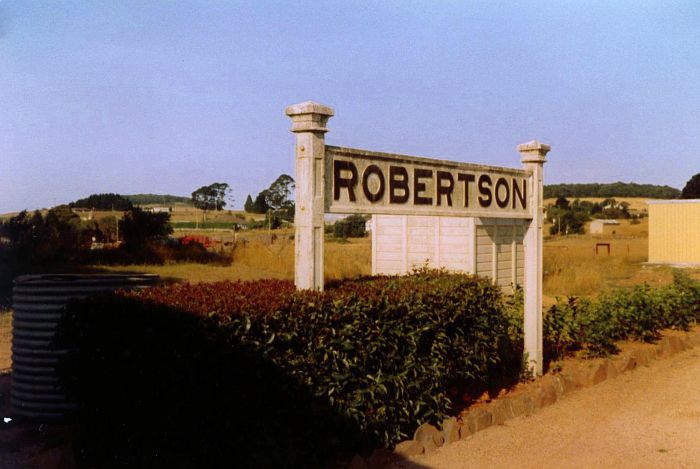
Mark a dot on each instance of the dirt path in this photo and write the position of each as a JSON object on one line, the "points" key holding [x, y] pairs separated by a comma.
{"points": [[649, 417]]}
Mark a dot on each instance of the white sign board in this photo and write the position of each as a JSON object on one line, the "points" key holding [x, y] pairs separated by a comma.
{"points": [[360, 181]]}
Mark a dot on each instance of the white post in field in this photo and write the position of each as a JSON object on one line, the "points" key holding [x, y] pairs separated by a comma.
{"points": [[533, 156], [309, 126]]}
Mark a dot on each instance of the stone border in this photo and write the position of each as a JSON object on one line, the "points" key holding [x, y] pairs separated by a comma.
{"points": [[526, 398]]}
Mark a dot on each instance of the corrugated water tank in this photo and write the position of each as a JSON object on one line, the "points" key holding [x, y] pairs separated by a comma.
{"points": [[38, 301]]}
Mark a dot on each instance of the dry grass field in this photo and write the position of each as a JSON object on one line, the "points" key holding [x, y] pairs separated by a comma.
{"points": [[571, 266], [258, 255]]}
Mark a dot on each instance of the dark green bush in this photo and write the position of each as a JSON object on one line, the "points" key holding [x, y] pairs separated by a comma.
{"points": [[637, 313], [352, 226], [271, 376]]}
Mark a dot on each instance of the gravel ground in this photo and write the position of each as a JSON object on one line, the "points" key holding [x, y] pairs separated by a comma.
{"points": [[649, 417]]}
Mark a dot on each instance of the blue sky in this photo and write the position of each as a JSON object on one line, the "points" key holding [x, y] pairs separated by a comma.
{"points": [[164, 97]]}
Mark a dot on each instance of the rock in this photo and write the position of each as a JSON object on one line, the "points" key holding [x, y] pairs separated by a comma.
{"points": [[580, 376], [466, 429], [568, 382], [450, 429], [357, 463], [556, 382], [501, 411], [517, 405], [429, 436], [382, 458], [409, 448], [598, 373], [528, 402], [626, 363], [482, 419], [546, 395]]}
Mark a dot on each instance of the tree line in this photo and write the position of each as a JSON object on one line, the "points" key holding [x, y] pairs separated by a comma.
{"points": [[615, 189], [108, 201]]}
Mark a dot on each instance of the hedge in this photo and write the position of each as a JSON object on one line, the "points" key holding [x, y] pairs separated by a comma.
{"points": [[636, 313], [273, 377], [256, 374]]}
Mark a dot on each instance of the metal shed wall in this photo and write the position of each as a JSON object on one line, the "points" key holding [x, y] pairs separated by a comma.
{"points": [[674, 232]]}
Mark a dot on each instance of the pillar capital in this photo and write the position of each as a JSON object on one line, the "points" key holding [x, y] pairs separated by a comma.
{"points": [[309, 116], [533, 152]]}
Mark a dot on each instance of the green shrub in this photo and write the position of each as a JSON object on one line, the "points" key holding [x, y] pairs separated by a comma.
{"points": [[352, 226], [637, 313], [279, 373], [189, 375]]}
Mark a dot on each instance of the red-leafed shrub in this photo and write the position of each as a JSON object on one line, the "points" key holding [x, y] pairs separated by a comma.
{"points": [[256, 298], [273, 377], [203, 240]]}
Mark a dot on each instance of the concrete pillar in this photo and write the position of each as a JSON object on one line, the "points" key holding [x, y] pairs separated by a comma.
{"points": [[533, 156], [309, 126]]}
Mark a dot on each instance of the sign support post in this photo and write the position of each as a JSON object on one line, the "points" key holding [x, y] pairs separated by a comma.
{"points": [[533, 156], [309, 126]]}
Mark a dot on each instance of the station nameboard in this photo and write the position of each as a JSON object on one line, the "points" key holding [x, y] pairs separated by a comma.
{"points": [[345, 180], [360, 181]]}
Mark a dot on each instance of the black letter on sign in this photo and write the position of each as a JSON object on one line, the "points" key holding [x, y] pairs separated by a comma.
{"points": [[445, 190], [466, 179], [395, 183], [501, 182], [339, 182], [373, 169], [522, 196], [418, 186], [485, 190]]}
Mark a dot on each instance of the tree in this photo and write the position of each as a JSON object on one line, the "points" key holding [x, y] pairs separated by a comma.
{"points": [[260, 204], [54, 238], [108, 201], [248, 206], [211, 197], [352, 226], [138, 227], [569, 222], [279, 192], [692, 188], [277, 196], [562, 203]]}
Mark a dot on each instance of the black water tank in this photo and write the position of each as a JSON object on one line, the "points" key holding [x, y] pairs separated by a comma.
{"points": [[37, 301]]}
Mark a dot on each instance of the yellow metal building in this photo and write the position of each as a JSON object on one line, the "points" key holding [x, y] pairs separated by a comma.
{"points": [[674, 231]]}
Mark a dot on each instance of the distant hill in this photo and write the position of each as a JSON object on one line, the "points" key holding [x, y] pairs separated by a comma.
{"points": [[615, 189], [158, 199]]}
